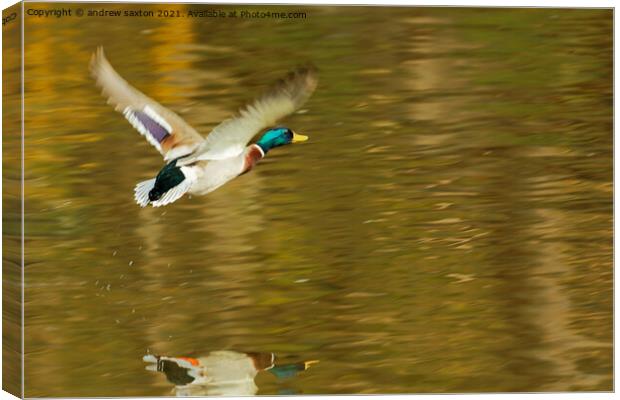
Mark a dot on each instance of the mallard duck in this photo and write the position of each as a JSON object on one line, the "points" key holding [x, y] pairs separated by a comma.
{"points": [[223, 372], [196, 164]]}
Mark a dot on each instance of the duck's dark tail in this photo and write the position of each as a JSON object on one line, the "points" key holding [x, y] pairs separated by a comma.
{"points": [[180, 371], [171, 183]]}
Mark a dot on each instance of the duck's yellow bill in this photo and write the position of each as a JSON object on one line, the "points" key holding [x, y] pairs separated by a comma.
{"points": [[307, 364], [299, 138]]}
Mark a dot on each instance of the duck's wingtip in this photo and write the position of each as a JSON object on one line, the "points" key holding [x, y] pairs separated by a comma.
{"points": [[309, 68], [97, 60], [99, 53]]}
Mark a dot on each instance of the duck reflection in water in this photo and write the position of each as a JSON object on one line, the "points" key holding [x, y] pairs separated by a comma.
{"points": [[227, 373]]}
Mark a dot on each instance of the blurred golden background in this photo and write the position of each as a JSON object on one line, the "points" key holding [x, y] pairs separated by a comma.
{"points": [[447, 228]]}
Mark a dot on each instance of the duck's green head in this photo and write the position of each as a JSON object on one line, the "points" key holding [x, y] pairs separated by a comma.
{"points": [[275, 137]]}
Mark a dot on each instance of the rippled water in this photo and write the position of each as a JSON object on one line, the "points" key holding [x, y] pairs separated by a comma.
{"points": [[447, 228]]}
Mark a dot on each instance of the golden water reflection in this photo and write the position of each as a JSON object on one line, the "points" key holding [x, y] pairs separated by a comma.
{"points": [[448, 227], [224, 372]]}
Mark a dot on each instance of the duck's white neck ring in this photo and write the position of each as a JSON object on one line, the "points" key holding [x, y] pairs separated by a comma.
{"points": [[262, 152]]}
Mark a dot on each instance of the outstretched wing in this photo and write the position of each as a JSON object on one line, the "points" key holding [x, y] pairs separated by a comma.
{"points": [[229, 138], [164, 129]]}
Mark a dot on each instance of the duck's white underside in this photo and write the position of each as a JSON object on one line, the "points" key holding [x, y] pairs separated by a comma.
{"points": [[220, 373], [200, 178]]}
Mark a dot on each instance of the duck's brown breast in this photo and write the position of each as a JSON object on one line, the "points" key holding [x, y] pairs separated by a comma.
{"points": [[252, 155]]}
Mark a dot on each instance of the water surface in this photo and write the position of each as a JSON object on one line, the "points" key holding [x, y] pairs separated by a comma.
{"points": [[447, 228]]}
